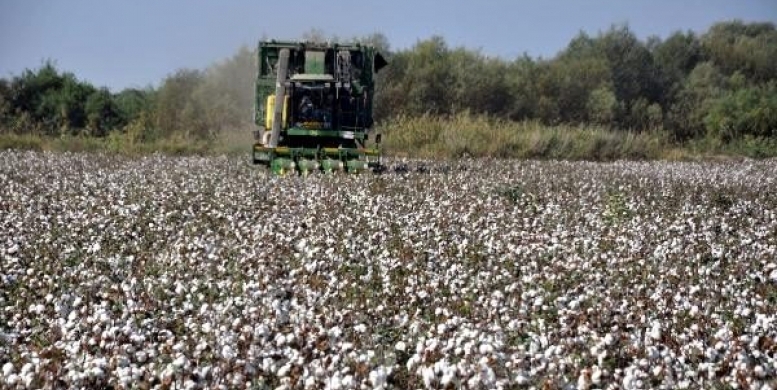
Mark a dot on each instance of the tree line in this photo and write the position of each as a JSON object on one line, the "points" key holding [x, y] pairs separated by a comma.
{"points": [[721, 83], [188, 104]]}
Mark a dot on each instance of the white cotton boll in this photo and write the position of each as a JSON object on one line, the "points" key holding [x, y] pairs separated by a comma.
{"points": [[584, 380], [596, 375], [268, 364], [333, 383], [400, 346], [601, 356], [168, 373], [655, 331], [310, 382], [378, 377], [27, 368], [27, 379], [487, 374], [37, 309], [628, 380], [280, 340], [301, 245], [97, 372], [428, 377], [8, 369], [441, 328], [534, 348], [412, 362], [285, 370], [180, 362], [227, 352], [122, 361], [360, 328], [347, 382], [474, 382], [486, 349], [12, 379], [773, 276], [335, 332]]}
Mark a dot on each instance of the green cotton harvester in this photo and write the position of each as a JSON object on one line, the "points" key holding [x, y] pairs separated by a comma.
{"points": [[313, 107]]}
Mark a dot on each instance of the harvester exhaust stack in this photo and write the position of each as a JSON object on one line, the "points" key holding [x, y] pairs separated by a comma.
{"points": [[280, 96]]}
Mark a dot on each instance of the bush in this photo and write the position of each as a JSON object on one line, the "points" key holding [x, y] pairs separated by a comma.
{"points": [[744, 112], [20, 142], [482, 136]]}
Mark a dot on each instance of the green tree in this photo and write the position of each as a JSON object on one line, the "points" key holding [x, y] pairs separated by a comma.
{"points": [[704, 84], [479, 83], [175, 111], [429, 77], [101, 113], [602, 105], [133, 102], [748, 48], [521, 81], [634, 74], [749, 111], [675, 58], [6, 113]]}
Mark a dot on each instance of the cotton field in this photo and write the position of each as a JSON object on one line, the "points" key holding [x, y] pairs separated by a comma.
{"points": [[190, 272]]}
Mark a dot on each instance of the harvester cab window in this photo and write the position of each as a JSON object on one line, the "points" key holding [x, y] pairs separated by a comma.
{"points": [[314, 107], [306, 108]]}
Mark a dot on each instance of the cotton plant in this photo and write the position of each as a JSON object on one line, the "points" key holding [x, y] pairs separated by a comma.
{"points": [[202, 272]]}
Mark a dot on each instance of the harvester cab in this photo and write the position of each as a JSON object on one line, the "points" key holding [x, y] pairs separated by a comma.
{"points": [[313, 107]]}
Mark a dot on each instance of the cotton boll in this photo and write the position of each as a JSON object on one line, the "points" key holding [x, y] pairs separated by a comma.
{"points": [[486, 348], [584, 380], [333, 383], [428, 377], [655, 331], [596, 375], [180, 362], [284, 370], [8, 369], [378, 377], [12, 379], [227, 352]]}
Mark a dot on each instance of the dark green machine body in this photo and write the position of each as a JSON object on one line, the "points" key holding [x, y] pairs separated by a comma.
{"points": [[313, 107]]}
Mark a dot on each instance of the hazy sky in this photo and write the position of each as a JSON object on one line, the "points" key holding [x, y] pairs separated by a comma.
{"points": [[122, 44]]}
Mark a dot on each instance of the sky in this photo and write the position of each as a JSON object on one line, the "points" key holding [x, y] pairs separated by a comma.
{"points": [[134, 44]]}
